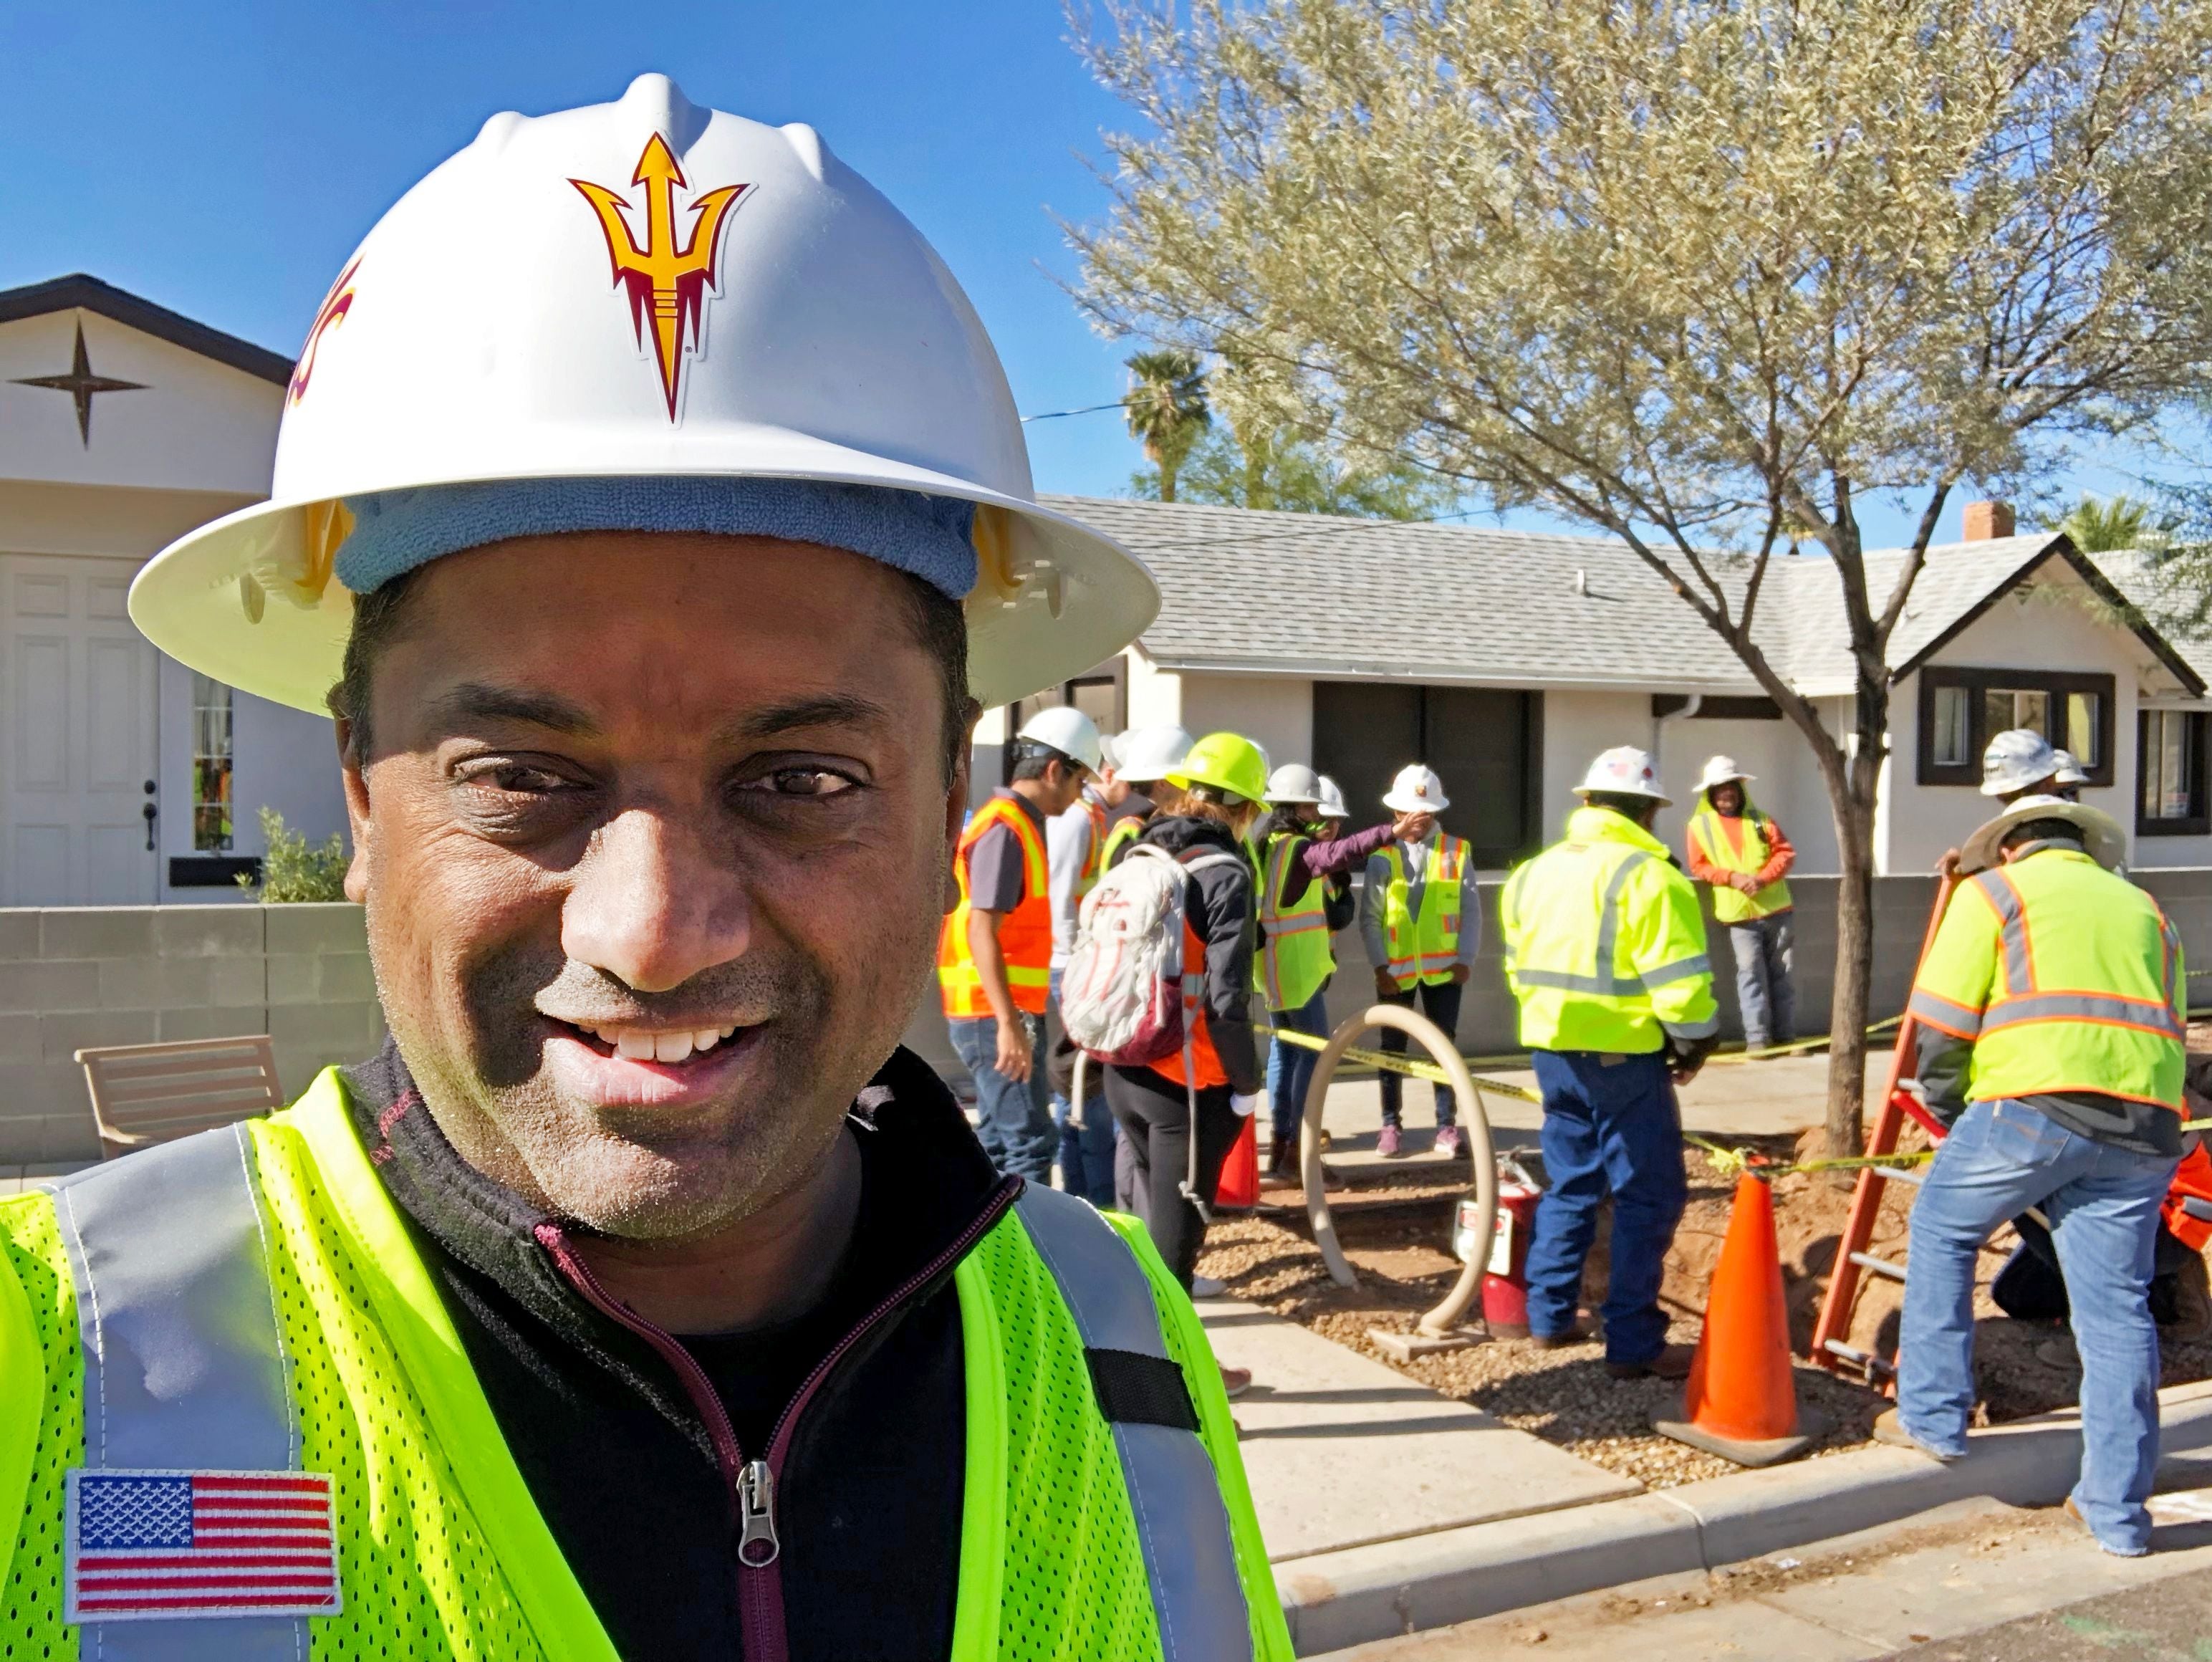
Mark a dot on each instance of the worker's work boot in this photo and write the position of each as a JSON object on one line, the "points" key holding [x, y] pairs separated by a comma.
{"points": [[1889, 1429], [1387, 1144], [1585, 1328], [1283, 1160], [1673, 1362], [1449, 1143]]}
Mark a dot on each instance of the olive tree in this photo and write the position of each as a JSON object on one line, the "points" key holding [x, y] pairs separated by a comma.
{"points": [[1708, 277]]}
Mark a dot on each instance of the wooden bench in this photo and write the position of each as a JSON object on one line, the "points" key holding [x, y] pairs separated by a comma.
{"points": [[149, 1094]]}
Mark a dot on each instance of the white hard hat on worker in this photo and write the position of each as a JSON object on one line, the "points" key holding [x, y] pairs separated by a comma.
{"points": [[1416, 790], [1067, 730], [1624, 771], [1293, 784], [1150, 754], [2017, 759], [514, 317]]}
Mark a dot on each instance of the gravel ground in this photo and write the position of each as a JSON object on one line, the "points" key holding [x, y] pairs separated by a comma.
{"points": [[1396, 1233]]}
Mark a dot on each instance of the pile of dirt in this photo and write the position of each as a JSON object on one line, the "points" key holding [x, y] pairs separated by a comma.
{"points": [[1396, 1233]]}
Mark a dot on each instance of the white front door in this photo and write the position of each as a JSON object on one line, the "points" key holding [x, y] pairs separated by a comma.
{"points": [[76, 757]]}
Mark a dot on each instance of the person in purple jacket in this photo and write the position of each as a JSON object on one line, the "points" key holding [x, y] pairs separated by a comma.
{"points": [[1296, 921]]}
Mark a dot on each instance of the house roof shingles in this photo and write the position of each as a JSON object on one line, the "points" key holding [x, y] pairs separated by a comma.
{"points": [[1322, 595]]}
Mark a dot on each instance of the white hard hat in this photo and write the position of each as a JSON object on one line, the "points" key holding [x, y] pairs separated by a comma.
{"points": [[1416, 790], [1109, 750], [1294, 782], [1624, 771], [510, 319], [2101, 836], [1150, 754], [1333, 806], [2017, 759], [2070, 771], [1067, 730], [1722, 771]]}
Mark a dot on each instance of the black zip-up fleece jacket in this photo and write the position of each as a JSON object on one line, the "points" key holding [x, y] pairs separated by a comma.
{"points": [[868, 1492]]}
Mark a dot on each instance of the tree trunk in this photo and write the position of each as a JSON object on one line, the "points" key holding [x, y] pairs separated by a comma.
{"points": [[1854, 974]]}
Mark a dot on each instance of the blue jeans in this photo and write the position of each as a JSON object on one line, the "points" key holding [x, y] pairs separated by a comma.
{"points": [[1610, 1126], [1290, 1066], [2002, 1158], [1017, 1130], [1086, 1151], [1762, 947]]}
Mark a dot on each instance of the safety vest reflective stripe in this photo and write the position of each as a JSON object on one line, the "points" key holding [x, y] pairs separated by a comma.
{"points": [[1609, 980], [2150, 1018], [1959, 1020], [1997, 888], [1194, 1579], [1094, 857], [1025, 933]]}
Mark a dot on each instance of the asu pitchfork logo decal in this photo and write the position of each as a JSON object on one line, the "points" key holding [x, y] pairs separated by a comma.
{"points": [[666, 281]]}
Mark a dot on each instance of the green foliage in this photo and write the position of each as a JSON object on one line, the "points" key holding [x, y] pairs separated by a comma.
{"points": [[1167, 411], [1280, 470], [2110, 525], [295, 869]]}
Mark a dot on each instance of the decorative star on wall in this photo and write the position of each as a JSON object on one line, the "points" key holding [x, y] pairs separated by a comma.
{"points": [[82, 385]]}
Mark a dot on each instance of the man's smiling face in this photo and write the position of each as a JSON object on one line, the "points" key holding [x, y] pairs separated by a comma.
{"points": [[653, 836]]}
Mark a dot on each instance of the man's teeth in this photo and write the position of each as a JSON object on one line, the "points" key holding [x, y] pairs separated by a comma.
{"points": [[639, 1045]]}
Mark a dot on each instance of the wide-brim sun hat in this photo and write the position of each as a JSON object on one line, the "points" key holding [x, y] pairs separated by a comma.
{"points": [[494, 331], [2102, 836]]}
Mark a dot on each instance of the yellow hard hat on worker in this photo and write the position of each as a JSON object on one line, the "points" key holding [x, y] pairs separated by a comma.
{"points": [[1228, 762]]}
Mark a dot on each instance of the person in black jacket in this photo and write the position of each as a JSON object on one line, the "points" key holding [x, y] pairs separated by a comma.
{"points": [[1155, 1104]]}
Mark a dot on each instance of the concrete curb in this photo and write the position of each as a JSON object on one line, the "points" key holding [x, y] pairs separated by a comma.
{"points": [[1335, 1599]]}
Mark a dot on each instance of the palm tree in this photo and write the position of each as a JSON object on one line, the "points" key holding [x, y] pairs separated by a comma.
{"points": [[2108, 526], [1167, 410]]}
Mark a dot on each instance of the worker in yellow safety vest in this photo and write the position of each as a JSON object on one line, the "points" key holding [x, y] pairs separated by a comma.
{"points": [[1420, 918], [1605, 951], [643, 1297], [2051, 1009], [1295, 957], [1746, 855]]}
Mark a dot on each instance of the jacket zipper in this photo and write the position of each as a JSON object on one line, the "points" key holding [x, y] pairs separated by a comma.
{"points": [[751, 1484]]}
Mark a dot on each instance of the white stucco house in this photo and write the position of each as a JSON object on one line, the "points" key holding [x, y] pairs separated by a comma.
{"points": [[1506, 660], [1503, 660], [125, 778]]}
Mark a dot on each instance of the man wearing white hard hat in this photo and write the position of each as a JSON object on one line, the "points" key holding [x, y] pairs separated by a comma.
{"points": [[1605, 951], [1148, 755], [1421, 917], [2068, 777], [1300, 867], [2052, 1006], [994, 964], [650, 508], [1745, 856], [2019, 762]]}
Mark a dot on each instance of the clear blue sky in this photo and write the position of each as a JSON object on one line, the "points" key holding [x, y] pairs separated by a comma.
{"points": [[223, 159]]}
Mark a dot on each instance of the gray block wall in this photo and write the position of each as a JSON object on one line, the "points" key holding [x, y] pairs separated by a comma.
{"points": [[79, 975]]}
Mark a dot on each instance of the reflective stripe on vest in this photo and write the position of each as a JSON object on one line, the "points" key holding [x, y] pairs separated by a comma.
{"points": [[1094, 856], [185, 1368], [2023, 1001], [1295, 958], [1025, 933], [1190, 1565], [1608, 982]]}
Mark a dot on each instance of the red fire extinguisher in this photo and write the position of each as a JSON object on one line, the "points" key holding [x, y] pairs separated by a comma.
{"points": [[1505, 1283]]}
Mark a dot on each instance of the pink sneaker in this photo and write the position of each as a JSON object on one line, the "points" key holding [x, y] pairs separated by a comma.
{"points": [[1387, 1144], [1448, 1142]]}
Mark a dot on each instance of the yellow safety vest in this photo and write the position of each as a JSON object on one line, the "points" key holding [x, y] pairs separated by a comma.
{"points": [[2064, 976], [1710, 838], [260, 1309], [1605, 948], [1295, 955], [1423, 949], [1124, 831]]}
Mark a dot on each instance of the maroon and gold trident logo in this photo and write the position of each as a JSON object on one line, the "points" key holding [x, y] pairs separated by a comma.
{"points": [[667, 282]]}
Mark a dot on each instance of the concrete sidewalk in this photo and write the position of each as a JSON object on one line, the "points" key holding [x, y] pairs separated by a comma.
{"points": [[1343, 1452]]}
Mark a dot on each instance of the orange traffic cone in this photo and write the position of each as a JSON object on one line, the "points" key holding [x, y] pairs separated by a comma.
{"points": [[1742, 1399]]}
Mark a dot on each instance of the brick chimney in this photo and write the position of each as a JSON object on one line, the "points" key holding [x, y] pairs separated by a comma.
{"points": [[1987, 521]]}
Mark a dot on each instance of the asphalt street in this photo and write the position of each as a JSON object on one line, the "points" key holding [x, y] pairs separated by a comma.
{"points": [[2168, 1620]]}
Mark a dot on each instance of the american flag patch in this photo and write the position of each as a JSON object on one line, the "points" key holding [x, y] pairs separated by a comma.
{"points": [[149, 1545]]}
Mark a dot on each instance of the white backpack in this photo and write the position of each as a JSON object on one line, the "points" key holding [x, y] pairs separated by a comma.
{"points": [[1122, 992]]}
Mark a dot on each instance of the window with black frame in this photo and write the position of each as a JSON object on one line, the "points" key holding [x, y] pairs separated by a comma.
{"points": [[1485, 743], [2170, 773], [1962, 708]]}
